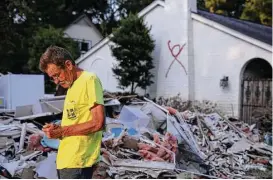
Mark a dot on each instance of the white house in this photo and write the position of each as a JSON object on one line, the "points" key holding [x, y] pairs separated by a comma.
{"points": [[84, 32], [216, 58]]}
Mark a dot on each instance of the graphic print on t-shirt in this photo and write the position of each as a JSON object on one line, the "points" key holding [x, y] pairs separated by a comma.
{"points": [[71, 111]]}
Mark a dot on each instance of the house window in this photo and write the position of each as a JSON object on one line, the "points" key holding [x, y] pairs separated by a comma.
{"points": [[84, 46]]}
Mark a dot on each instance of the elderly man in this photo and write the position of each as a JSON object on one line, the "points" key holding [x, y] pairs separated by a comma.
{"points": [[80, 132]]}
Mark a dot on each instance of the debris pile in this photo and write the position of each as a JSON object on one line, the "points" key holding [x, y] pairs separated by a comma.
{"points": [[263, 118], [230, 148], [143, 139], [22, 154], [225, 147], [176, 102], [132, 157]]}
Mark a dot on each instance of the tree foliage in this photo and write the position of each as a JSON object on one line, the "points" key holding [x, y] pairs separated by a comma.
{"points": [[8, 37], [109, 17], [42, 39], [20, 20], [45, 37], [258, 11], [230, 8], [132, 49]]}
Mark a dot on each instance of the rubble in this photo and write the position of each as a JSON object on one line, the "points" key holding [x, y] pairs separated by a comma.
{"points": [[127, 156], [171, 138], [229, 148], [21, 143]]}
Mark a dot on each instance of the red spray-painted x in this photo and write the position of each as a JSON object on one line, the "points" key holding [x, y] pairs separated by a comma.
{"points": [[175, 56]]}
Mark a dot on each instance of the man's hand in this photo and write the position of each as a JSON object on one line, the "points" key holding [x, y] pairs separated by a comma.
{"points": [[53, 131]]}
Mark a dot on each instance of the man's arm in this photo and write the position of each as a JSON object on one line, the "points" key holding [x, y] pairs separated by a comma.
{"points": [[95, 124], [95, 100], [91, 126]]}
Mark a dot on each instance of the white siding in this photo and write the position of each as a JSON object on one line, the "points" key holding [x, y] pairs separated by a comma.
{"points": [[218, 54], [174, 26], [82, 30], [153, 20], [101, 63]]}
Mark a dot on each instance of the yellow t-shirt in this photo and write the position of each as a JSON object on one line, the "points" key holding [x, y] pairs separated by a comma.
{"points": [[80, 151]]}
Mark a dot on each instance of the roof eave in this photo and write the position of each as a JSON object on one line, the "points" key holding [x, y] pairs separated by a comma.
{"points": [[232, 32]]}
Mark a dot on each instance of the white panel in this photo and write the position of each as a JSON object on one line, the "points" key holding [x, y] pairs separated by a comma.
{"points": [[83, 32], [26, 89], [4, 90]]}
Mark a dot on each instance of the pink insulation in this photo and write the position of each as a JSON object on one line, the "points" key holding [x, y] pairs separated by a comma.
{"points": [[158, 153]]}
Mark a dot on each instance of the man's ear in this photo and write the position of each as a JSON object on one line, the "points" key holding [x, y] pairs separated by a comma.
{"points": [[68, 65]]}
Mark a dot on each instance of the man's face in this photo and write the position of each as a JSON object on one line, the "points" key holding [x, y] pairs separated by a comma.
{"points": [[61, 76]]}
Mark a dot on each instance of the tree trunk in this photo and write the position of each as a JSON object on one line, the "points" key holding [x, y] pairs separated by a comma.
{"points": [[132, 87]]}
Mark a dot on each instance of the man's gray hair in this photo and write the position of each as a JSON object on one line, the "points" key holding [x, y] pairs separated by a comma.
{"points": [[54, 55]]}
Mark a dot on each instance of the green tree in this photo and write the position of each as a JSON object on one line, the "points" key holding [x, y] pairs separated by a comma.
{"points": [[132, 49], [109, 17], [58, 13], [43, 38], [231, 8], [104, 13], [201, 4], [259, 11], [9, 38]]}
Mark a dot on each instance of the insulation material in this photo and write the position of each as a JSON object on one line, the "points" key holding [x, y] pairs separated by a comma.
{"points": [[164, 153]]}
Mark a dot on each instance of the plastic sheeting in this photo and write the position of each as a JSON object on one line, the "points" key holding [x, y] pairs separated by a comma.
{"points": [[52, 143], [133, 117]]}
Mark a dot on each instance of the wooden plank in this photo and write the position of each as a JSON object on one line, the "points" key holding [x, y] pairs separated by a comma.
{"points": [[256, 93], [252, 95], [263, 93], [270, 93], [245, 92]]}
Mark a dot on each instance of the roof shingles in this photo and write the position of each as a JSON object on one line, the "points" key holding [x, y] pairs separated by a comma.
{"points": [[256, 31]]}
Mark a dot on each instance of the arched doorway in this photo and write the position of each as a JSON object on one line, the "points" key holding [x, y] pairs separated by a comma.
{"points": [[256, 90]]}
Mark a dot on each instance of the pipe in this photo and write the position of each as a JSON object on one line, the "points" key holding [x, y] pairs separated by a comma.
{"points": [[22, 138]]}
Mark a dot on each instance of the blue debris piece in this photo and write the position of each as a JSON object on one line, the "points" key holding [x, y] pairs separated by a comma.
{"points": [[51, 143]]}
